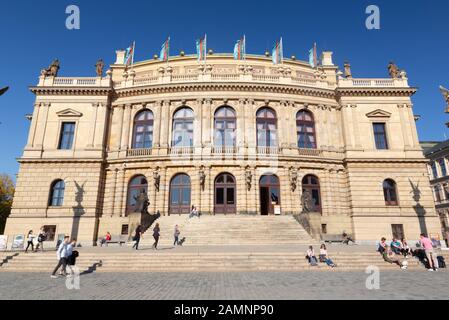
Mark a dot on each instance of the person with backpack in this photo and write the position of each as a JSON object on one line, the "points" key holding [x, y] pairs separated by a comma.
{"points": [[137, 237], [72, 254], [310, 256], [41, 238], [62, 255]]}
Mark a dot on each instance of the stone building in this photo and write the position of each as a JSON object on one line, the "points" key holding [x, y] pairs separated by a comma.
{"points": [[438, 166], [230, 137]]}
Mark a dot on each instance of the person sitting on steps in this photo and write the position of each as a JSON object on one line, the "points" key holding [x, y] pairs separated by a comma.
{"points": [[347, 238], [324, 257], [310, 256]]}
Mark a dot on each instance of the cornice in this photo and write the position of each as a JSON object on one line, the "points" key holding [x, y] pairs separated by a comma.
{"points": [[375, 92], [71, 91], [241, 87]]}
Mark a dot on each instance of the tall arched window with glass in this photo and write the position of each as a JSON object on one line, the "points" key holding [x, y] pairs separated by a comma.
{"points": [[267, 128], [57, 194], [183, 128], [143, 130], [305, 126], [225, 127]]}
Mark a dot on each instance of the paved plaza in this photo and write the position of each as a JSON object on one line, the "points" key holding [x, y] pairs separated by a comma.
{"points": [[227, 286]]}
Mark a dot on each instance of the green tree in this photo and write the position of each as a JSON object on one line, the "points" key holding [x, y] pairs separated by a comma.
{"points": [[6, 197]]}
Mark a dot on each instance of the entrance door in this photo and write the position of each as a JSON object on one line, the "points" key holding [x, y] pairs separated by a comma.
{"points": [[180, 194], [225, 194], [398, 231], [270, 195]]}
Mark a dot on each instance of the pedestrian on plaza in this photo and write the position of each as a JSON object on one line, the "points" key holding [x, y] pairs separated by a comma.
{"points": [[30, 240], [176, 235], [62, 255], [310, 256], [72, 254], [156, 235], [324, 257], [42, 236], [137, 237], [426, 244]]}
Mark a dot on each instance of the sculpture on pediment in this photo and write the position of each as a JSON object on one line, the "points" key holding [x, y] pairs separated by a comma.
{"points": [[99, 68], [393, 70], [52, 70], [348, 72]]}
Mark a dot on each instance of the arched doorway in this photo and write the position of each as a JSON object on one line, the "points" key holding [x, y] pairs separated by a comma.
{"points": [[180, 194], [270, 194], [311, 184], [225, 194], [136, 186]]}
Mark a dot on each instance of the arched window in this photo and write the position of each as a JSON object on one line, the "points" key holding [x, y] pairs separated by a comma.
{"points": [[183, 128], [390, 195], [311, 184], [57, 194], [270, 194], [143, 130], [267, 128], [180, 194], [225, 194], [305, 127], [225, 127], [137, 185]]}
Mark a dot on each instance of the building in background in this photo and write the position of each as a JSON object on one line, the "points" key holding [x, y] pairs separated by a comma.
{"points": [[230, 137]]}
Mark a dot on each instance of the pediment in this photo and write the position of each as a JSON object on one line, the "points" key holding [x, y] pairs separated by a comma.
{"points": [[69, 113], [379, 114]]}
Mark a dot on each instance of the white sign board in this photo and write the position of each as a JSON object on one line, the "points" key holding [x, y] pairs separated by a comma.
{"points": [[277, 210]]}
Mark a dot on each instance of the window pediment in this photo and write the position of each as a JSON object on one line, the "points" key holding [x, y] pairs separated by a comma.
{"points": [[379, 114], [69, 113]]}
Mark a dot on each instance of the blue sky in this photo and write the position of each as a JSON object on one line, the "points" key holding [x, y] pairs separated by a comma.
{"points": [[413, 34]]}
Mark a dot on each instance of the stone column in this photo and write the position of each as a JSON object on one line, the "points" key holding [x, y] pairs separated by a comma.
{"points": [[117, 127], [34, 121], [117, 192], [157, 124], [165, 124], [404, 128], [347, 126], [100, 132], [356, 129], [412, 123], [250, 127], [241, 124], [197, 125], [42, 125], [124, 145], [93, 126]]}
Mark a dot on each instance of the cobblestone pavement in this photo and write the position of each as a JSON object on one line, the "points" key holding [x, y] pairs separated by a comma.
{"points": [[227, 286]]}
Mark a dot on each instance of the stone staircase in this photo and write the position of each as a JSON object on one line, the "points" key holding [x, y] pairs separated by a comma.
{"points": [[174, 260], [232, 230]]}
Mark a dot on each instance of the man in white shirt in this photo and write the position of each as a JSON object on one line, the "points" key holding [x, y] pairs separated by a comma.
{"points": [[62, 254]]}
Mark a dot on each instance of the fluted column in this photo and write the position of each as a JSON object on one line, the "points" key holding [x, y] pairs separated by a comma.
{"points": [[93, 126], [124, 145], [33, 126], [165, 124], [157, 124], [42, 125], [100, 133]]}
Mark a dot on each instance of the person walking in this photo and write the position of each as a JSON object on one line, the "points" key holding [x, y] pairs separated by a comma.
{"points": [[30, 240], [42, 236], [137, 237], [62, 255], [176, 235], [156, 235], [426, 244], [71, 255]]}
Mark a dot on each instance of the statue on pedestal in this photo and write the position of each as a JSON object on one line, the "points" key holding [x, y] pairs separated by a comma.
{"points": [[157, 180], [293, 178], [307, 202], [348, 72], [142, 202], [202, 178], [393, 70], [52, 70], [99, 67], [445, 93], [248, 178]]}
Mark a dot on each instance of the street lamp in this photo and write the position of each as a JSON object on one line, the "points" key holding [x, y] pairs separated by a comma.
{"points": [[2, 91]]}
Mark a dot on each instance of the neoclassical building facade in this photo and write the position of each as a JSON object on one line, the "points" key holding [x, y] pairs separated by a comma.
{"points": [[231, 138]]}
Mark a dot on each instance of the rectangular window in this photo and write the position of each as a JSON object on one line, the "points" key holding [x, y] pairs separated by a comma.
{"points": [[50, 231], [433, 165], [125, 229], [380, 136], [67, 136], [442, 164]]}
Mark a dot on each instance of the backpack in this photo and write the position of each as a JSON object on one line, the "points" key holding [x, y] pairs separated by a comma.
{"points": [[42, 237], [441, 262]]}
